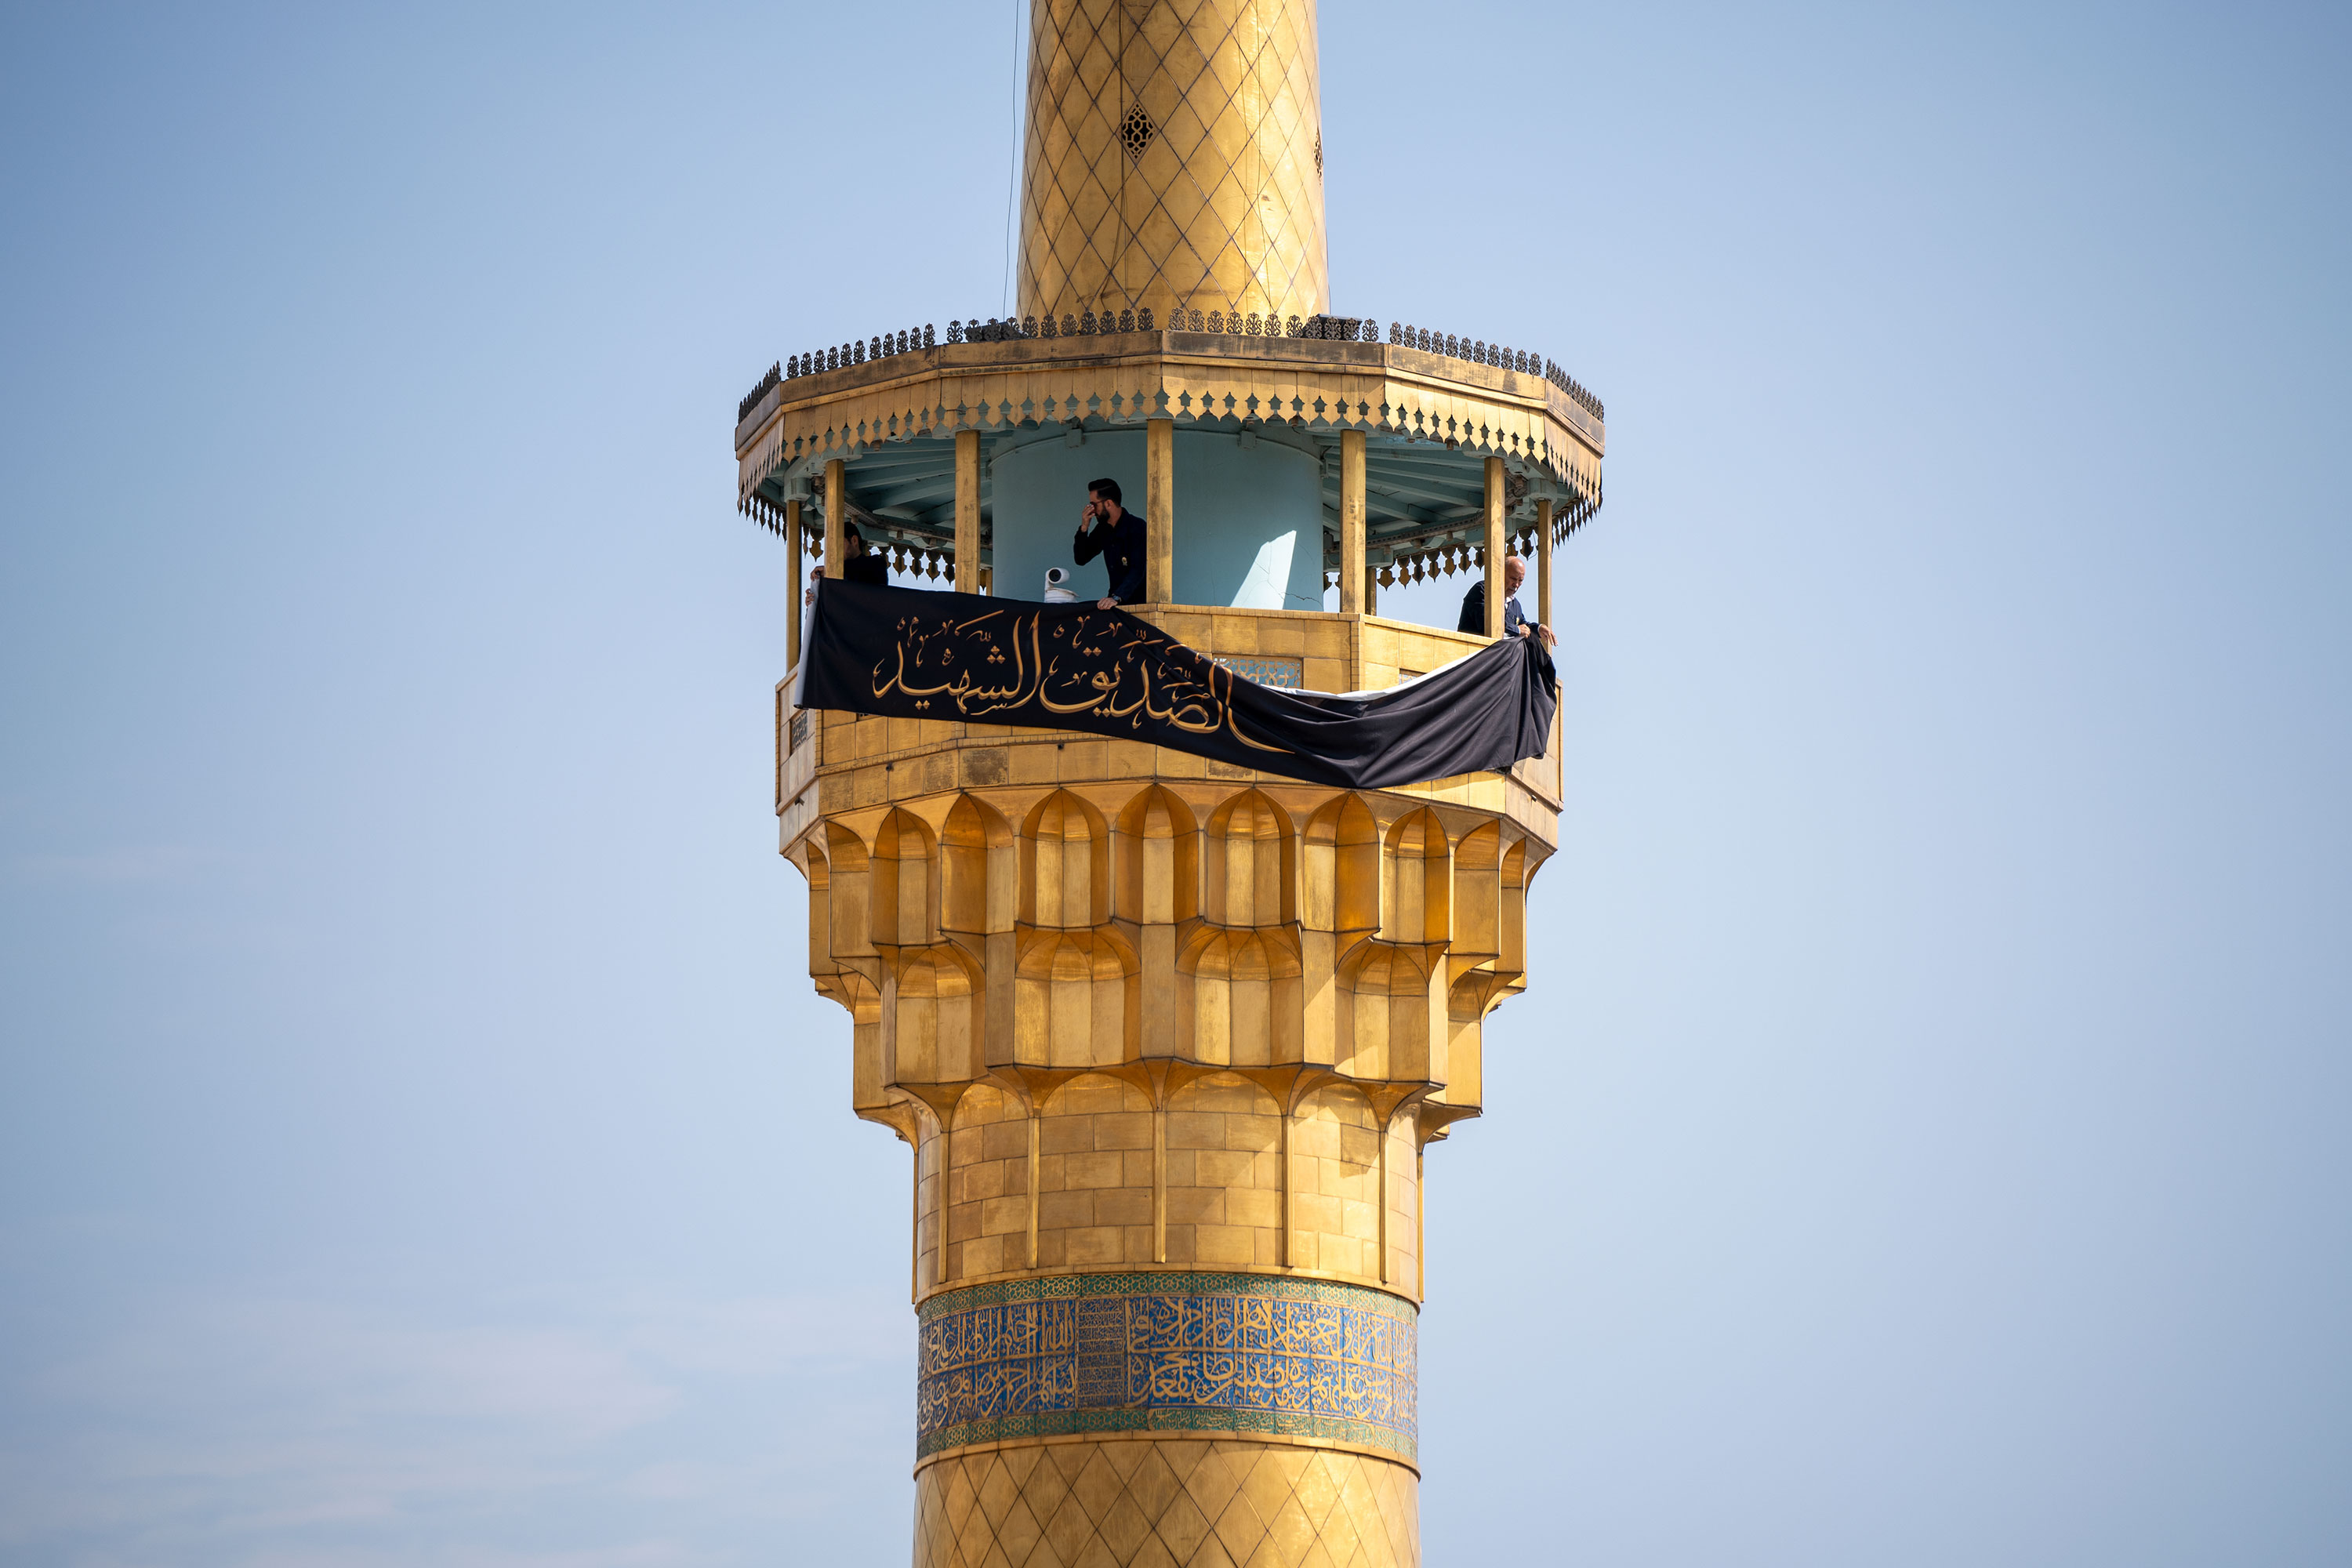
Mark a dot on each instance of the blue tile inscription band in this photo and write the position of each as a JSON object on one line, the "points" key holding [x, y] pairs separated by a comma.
{"points": [[1202, 1352]]}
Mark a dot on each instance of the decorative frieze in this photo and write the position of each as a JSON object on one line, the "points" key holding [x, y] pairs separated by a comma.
{"points": [[1241, 1353]]}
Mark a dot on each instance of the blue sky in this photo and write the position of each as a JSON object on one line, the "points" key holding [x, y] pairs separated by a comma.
{"points": [[1924, 1140]]}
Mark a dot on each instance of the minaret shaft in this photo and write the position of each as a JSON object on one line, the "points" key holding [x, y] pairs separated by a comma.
{"points": [[1174, 158], [1168, 1047]]}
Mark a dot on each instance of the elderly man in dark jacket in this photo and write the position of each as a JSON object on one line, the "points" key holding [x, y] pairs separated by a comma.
{"points": [[1514, 621], [1110, 530]]}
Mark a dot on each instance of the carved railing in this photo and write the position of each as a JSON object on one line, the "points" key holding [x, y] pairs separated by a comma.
{"points": [[751, 398], [1184, 319]]}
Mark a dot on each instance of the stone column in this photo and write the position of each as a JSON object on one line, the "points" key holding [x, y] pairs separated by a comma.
{"points": [[793, 555], [836, 514], [966, 511], [1351, 522], [1159, 510], [1494, 547], [1543, 562]]}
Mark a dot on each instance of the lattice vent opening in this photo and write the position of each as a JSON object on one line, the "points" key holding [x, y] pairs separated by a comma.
{"points": [[1135, 132]]}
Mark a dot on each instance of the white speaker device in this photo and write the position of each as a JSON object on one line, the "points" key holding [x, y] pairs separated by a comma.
{"points": [[1055, 594]]}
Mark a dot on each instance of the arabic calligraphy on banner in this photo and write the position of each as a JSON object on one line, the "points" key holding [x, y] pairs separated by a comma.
{"points": [[1168, 1352], [906, 653], [1056, 666]]}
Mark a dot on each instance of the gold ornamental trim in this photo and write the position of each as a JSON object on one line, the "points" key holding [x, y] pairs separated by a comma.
{"points": [[1191, 378]]}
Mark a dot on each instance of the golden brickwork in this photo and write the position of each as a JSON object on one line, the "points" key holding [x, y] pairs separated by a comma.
{"points": [[1137, 1010], [1174, 156], [1145, 1015], [1203, 1188], [1166, 1504]]}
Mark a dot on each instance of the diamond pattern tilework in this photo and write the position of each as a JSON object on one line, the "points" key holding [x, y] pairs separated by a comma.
{"points": [[1221, 207], [1141, 1503]]}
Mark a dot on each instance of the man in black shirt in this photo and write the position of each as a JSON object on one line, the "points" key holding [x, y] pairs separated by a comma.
{"points": [[1514, 621], [1110, 530], [859, 564]]}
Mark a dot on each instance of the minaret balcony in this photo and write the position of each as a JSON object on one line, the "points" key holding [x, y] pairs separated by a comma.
{"points": [[1428, 417]]}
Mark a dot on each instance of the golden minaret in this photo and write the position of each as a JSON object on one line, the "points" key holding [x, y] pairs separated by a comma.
{"points": [[1168, 1038]]}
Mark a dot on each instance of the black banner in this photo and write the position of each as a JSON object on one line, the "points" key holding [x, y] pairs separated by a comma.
{"points": [[910, 653]]}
